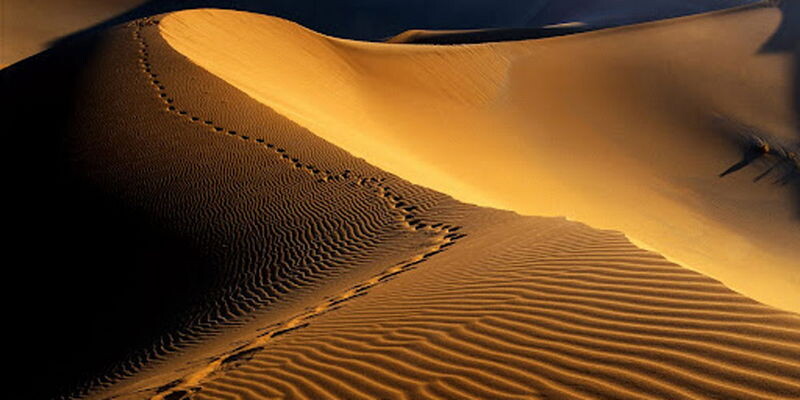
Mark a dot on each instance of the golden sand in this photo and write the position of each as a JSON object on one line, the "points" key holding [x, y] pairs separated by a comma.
{"points": [[624, 129], [210, 229]]}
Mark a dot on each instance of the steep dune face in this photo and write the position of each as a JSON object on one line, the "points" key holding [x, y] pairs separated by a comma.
{"points": [[376, 288], [208, 247], [627, 128], [161, 229]]}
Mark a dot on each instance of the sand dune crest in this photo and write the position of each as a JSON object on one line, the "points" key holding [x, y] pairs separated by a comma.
{"points": [[208, 231], [654, 112], [520, 307]]}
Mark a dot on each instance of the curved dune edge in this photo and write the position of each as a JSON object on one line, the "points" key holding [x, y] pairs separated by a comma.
{"points": [[630, 135], [504, 307], [466, 36]]}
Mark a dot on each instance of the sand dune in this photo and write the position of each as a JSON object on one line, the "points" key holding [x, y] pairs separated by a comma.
{"points": [[260, 228], [189, 229], [641, 118], [481, 304], [422, 36], [30, 26], [570, 313]]}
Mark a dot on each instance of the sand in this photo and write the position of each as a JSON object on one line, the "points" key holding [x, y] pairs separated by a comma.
{"points": [[30, 26], [640, 118], [184, 238]]}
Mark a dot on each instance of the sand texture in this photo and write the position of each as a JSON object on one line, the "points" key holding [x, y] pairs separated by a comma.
{"points": [[30, 26], [214, 204], [588, 126]]}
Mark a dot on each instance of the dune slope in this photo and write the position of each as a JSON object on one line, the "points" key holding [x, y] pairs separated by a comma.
{"points": [[530, 308], [500, 306], [146, 230], [182, 240], [328, 278], [626, 128]]}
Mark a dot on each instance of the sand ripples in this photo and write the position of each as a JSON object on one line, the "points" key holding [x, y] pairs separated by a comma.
{"points": [[519, 308], [544, 320]]}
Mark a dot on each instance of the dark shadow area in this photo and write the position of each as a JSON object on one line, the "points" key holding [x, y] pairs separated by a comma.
{"points": [[775, 160], [486, 35], [781, 161], [787, 40], [92, 279], [95, 279], [752, 152], [375, 20]]}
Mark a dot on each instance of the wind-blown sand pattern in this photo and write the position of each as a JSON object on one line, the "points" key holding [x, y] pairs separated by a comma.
{"points": [[651, 122], [243, 256]]}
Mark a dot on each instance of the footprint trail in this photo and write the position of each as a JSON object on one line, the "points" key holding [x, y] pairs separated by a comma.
{"points": [[443, 235]]}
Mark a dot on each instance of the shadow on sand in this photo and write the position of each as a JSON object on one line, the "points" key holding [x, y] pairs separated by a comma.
{"points": [[782, 160], [94, 280]]}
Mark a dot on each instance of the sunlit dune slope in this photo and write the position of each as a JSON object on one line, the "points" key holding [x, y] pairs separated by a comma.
{"points": [[30, 26], [184, 241], [626, 128]]}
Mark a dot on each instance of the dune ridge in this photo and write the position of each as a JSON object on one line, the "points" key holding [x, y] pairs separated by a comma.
{"points": [[238, 228], [653, 125], [321, 231], [218, 249], [30, 25], [443, 235], [522, 307]]}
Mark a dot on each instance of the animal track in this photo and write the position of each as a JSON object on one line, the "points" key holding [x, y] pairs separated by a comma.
{"points": [[443, 235]]}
